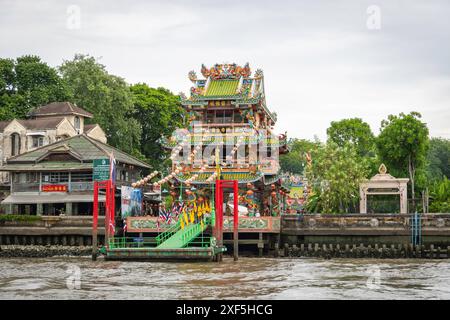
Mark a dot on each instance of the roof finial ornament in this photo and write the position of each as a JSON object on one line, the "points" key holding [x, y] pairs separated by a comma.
{"points": [[192, 76], [382, 169]]}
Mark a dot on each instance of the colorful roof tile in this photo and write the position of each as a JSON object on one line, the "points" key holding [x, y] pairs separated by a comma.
{"points": [[222, 88]]}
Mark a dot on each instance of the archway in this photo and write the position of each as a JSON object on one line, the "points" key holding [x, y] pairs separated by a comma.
{"points": [[383, 184]]}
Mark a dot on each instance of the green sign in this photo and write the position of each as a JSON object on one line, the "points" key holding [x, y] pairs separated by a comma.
{"points": [[101, 170]]}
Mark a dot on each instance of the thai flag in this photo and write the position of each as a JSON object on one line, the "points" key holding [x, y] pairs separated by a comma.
{"points": [[124, 226], [112, 167]]}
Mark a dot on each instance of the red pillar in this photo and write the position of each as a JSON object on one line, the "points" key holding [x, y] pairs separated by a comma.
{"points": [[235, 221], [95, 222]]}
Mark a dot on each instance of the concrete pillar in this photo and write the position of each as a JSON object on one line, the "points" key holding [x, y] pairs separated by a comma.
{"points": [[403, 199], [69, 208], [363, 200], [39, 209]]}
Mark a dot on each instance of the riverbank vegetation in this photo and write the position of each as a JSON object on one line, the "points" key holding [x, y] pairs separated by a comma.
{"points": [[353, 153]]}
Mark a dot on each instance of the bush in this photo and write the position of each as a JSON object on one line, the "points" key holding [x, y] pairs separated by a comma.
{"points": [[19, 217], [440, 196]]}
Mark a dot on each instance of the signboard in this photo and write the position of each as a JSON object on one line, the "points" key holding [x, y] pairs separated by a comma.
{"points": [[100, 170], [131, 201], [54, 188]]}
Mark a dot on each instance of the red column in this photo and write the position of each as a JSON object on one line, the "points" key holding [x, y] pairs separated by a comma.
{"points": [[113, 206], [235, 221], [95, 222]]}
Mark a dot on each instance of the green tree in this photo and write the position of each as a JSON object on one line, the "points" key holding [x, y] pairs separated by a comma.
{"points": [[28, 82], [107, 97], [295, 160], [335, 175], [440, 196], [159, 113], [402, 145], [438, 159], [352, 131]]}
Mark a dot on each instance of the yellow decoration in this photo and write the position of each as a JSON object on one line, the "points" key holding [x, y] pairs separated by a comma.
{"points": [[185, 216], [192, 216], [200, 210], [181, 224]]}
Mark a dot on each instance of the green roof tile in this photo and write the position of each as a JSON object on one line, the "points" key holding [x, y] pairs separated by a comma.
{"points": [[222, 88], [88, 148]]}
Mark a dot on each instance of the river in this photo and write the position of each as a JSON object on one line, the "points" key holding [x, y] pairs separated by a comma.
{"points": [[249, 278]]}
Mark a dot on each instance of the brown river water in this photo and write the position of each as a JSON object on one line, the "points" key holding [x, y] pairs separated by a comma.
{"points": [[249, 278]]}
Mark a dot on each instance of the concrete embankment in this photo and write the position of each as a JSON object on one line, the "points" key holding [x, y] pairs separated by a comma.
{"points": [[36, 251], [361, 251]]}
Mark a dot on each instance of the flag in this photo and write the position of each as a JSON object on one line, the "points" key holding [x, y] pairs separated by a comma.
{"points": [[112, 167], [112, 227], [165, 215], [124, 226]]}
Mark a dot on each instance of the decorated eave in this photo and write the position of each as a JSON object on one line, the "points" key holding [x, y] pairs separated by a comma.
{"points": [[242, 177], [227, 82], [231, 140]]}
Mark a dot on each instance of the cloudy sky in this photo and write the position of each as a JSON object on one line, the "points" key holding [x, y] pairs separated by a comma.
{"points": [[322, 60]]}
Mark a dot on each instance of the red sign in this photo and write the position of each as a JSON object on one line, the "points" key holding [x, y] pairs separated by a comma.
{"points": [[54, 188]]}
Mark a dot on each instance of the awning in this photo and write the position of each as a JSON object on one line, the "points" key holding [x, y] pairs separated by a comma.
{"points": [[50, 198]]}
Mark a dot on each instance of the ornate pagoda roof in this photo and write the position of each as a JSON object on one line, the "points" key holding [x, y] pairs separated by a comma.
{"points": [[227, 81]]}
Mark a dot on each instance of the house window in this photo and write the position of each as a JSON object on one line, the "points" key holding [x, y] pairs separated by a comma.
{"points": [[38, 141], [15, 144], [81, 176], [77, 123], [55, 177], [124, 175], [32, 177]]}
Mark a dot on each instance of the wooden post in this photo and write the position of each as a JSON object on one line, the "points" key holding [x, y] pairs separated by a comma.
{"points": [[235, 221], [260, 245], [95, 222]]}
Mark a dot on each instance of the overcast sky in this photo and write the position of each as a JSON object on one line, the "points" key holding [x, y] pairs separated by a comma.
{"points": [[322, 60]]}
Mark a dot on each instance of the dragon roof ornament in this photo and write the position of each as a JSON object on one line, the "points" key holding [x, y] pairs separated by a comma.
{"points": [[225, 71]]}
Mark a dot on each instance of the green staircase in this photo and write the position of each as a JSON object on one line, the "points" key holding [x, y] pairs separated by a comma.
{"points": [[176, 237]]}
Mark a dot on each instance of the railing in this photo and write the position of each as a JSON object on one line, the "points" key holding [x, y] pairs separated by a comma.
{"points": [[416, 229], [191, 234], [81, 186], [218, 124], [131, 242], [168, 233], [25, 187]]}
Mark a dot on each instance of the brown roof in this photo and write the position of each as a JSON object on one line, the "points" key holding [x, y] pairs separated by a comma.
{"points": [[88, 149], [3, 125], [59, 108], [36, 124], [89, 127]]}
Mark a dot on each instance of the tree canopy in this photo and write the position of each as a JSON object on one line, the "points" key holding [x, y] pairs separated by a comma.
{"points": [[335, 174], [352, 131], [295, 160], [438, 159], [403, 143], [158, 112], [107, 97], [28, 82]]}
